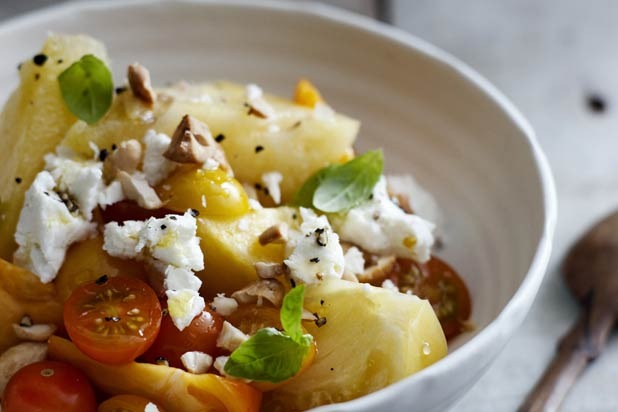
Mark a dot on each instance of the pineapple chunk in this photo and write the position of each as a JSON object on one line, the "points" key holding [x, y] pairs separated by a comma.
{"points": [[32, 123], [231, 247], [295, 142], [173, 389], [372, 338]]}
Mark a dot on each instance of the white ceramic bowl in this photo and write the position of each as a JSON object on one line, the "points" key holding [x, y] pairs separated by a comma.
{"points": [[433, 116]]}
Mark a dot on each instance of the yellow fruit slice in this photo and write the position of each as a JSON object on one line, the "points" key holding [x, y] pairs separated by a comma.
{"points": [[173, 389], [32, 123], [372, 337]]}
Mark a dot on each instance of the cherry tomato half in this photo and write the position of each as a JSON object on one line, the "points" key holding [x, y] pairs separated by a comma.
{"points": [[129, 210], [113, 320], [439, 283], [126, 403], [51, 387], [201, 335]]}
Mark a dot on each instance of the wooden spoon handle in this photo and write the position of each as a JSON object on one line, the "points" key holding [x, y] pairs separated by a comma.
{"points": [[580, 346]]}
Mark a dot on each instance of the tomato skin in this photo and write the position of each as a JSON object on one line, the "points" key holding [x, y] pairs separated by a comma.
{"points": [[49, 386], [201, 335], [125, 403], [439, 283], [113, 320], [129, 210]]}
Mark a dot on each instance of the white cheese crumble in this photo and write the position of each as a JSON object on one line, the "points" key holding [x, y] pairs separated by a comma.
{"points": [[223, 305], [170, 245], [389, 285], [151, 407], [219, 364], [380, 226], [196, 362], [230, 337], [255, 204], [271, 181], [323, 112], [354, 261], [46, 229], [422, 202], [255, 97], [316, 252], [183, 306], [155, 166]]}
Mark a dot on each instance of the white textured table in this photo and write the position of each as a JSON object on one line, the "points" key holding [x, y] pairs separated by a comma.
{"points": [[548, 56]]}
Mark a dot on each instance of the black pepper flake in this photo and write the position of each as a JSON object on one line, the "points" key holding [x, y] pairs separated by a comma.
{"points": [[112, 318], [314, 260], [294, 216], [46, 193], [60, 61], [163, 227], [195, 212], [596, 103], [266, 192], [257, 186], [114, 147], [37, 76], [321, 237], [292, 282], [18, 180], [319, 320], [172, 217], [103, 155], [39, 59], [102, 280], [259, 148], [120, 90], [332, 369], [321, 302], [165, 312], [371, 196], [19, 66], [220, 137]]}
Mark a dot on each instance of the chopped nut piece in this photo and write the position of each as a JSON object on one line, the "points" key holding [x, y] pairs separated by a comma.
{"points": [[258, 106], [306, 315], [139, 80], [267, 270], [34, 333], [275, 234], [377, 273], [126, 158], [230, 337], [256, 292], [196, 362], [192, 142], [403, 202], [18, 356], [136, 188]]}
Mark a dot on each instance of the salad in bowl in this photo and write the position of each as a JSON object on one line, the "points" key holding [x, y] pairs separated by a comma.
{"points": [[205, 247]]}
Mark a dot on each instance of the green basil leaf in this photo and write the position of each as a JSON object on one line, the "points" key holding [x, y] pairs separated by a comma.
{"points": [[269, 356], [304, 196], [87, 88], [292, 312], [349, 184]]}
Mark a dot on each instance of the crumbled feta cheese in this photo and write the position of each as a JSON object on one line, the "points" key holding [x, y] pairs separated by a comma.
{"points": [[183, 306], [380, 226], [151, 407], [354, 261], [253, 91], [111, 194], [171, 239], [243, 225], [255, 204], [389, 285], [155, 166], [219, 364], [223, 305], [271, 181], [422, 202], [46, 229], [230, 337], [323, 112], [316, 252], [81, 180], [211, 164], [196, 362], [178, 278], [256, 100]]}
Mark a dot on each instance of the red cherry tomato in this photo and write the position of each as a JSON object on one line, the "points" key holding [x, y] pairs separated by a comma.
{"points": [[126, 403], [49, 386], [128, 210], [113, 320], [201, 335], [439, 283]]}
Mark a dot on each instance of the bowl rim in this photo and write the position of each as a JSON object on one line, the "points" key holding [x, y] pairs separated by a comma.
{"points": [[522, 299]]}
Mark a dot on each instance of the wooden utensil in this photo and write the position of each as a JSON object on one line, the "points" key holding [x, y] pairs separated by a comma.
{"points": [[591, 273]]}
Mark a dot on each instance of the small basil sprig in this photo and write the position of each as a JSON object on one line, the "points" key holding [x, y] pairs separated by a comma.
{"points": [[337, 188], [271, 355], [87, 88]]}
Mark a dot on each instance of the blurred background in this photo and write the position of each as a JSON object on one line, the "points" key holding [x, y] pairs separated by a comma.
{"points": [[557, 61]]}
